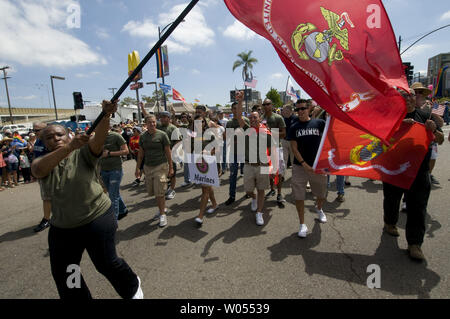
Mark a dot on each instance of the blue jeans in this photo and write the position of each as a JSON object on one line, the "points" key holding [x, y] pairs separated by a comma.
{"points": [[224, 157], [111, 180], [340, 182], [233, 177], [186, 173]]}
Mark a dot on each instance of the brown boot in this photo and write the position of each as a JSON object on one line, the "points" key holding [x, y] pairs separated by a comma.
{"points": [[415, 252], [391, 230]]}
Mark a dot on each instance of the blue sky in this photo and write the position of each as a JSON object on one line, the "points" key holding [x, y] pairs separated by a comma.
{"points": [[36, 42]]}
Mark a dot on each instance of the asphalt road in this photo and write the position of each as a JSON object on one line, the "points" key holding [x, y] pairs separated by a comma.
{"points": [[232, 257]]}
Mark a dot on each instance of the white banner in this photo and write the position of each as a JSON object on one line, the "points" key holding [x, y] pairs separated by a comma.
{"points": [[203, 170]]}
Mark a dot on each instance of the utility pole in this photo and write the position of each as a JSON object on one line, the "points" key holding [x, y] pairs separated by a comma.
{"points": [[7, 93], [399, 43], [53, 91], [112, 90]]}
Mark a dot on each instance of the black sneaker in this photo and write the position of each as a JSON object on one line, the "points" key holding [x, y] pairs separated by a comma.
{"points": [[270, 194], [123, 215], [280, 198], [434, 180], [42, 225], [229, 201], [137, 182]]}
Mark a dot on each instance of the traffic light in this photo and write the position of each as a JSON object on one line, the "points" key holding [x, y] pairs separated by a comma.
{"points": [[409, 71], [78, 100]]}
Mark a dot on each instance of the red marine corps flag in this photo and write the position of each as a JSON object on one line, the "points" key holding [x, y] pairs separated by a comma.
{"points": [[343, 54], [346, 150]]}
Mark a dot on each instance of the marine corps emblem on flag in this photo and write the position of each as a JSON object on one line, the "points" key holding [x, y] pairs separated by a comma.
{"points": [[318, 45]]}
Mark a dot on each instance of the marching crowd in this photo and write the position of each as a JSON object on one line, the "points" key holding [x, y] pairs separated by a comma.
{"points": [[86, 217]]}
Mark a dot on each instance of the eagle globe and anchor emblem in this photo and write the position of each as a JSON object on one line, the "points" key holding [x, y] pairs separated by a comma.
{"points": [[318, 45], [202, 167]]}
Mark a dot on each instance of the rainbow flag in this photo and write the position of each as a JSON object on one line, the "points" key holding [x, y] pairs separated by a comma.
{"points": [[162, 62], [440, 82]]}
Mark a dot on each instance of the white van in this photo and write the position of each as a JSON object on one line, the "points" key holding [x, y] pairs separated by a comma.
{"points": [[22, 129]]}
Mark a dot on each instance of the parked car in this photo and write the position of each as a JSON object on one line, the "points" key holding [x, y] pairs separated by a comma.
{"points": [[22, 129]]}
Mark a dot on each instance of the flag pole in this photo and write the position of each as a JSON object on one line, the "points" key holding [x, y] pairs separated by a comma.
{"points": [[145, 60]]}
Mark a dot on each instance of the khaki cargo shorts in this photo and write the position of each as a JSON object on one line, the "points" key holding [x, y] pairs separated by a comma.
{"points": [[44, 196], [299, 179], [156, 179], [253, 178]]}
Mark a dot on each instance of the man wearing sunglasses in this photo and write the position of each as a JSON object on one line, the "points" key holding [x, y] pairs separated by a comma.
{"points": [[305, 136], [275, 121]]}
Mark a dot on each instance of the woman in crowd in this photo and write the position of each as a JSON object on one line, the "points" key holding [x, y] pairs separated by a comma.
{"points": [[12, 162], [207, 190], [82, 216]]}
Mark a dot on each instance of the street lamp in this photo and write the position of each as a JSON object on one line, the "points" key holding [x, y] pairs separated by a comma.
{"points": [[53, 91], [7, 93], [156, 92], [159, 33], [112, 90]]}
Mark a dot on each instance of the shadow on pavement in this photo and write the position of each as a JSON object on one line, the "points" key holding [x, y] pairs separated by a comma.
{"points": [[19, 234], [431, 224], [399, 275], [370, 186], [245, 228], [187, 230]]}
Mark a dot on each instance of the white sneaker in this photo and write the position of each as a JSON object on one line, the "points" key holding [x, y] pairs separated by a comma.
{"points": [[211, 210], [254, 205], [259, 219], [303, 230], [170, 194], [184, 184], [157, 215], [162, 220], [139, 293], [199, 221], [322, 216]]}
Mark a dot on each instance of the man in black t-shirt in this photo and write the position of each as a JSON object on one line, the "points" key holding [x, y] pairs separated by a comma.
{"points": [[419, 192], [305, 136]]}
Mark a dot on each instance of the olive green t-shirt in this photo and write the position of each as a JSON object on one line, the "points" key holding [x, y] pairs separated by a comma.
{"points": [[233, 123], [77, 198], [153, 146], [113, 143], [169, 129], [273, 121]]}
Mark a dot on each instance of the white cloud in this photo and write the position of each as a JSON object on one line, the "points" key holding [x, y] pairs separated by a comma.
{"points": [[445, 16], [102, 33], [276, 76], [87, 75], [193, 32], [417, 50], [145, 29], [35, 33], [29, 97], [195, 72], [239, 31]]}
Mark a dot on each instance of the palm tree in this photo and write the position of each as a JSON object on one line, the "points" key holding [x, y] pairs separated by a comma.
{"points": [[247, 61]]}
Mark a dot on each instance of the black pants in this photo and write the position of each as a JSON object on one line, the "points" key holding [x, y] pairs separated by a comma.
{"points": [[26, 173], [67, 247], [416, 205]]}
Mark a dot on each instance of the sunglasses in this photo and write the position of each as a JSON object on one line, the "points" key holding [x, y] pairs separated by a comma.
{"points": [[301, 109]]}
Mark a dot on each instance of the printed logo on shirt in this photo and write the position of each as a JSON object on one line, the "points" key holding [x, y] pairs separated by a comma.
{"points": [[307, 132]]}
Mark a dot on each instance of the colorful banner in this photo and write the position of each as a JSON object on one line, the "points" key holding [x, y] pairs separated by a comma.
{"points": [[344, 54], [204, 172], [440, 82], [348, 151], [162, 61]]}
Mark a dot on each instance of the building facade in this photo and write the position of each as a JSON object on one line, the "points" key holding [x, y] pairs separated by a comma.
{"points": [[435, 64]]}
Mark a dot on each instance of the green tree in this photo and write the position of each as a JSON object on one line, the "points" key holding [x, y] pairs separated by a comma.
{"points": [[128, 101], [275, 97], [246, 61]]}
